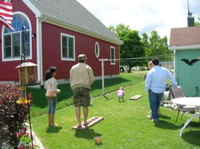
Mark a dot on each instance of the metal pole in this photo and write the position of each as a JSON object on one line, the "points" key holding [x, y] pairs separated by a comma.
{"points": [[24, 37], [29, 117], [23, 42]]}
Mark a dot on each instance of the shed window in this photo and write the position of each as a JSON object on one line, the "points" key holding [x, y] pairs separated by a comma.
{"points": [[17, 42], [112, 55], [97, 49], [67, 47]]}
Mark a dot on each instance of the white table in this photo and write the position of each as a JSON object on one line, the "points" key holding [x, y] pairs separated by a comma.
{"points": [[189, 101]]}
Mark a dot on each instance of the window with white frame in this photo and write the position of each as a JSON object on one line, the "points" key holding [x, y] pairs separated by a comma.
{"points": [[112, 55], [17, 42], [97, 49], [67, 47]]}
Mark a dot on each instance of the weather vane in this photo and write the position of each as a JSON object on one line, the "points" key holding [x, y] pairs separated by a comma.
{"points": [[189, 13]]}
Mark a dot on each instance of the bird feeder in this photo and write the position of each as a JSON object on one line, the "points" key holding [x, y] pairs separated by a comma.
{"points": [[27, 73], [23, 95]]}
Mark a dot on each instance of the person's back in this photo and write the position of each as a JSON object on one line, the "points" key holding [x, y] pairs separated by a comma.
{"points": [[81, 76], [157, 77], [155, 85]]}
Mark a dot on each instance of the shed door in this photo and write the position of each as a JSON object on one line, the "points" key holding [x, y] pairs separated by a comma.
{"points": [[188, 75]]}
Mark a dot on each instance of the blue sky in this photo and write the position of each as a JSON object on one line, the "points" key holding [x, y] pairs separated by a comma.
{"points": [[144, 15]]}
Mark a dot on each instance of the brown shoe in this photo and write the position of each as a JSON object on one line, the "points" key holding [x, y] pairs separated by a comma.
{"points": [[85, 124]]}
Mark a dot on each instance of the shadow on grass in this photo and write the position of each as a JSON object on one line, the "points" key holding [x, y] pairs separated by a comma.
{"points": [[53, 129], [109, 82], [39, 98], [192, 137], [194, 124], [107, 97], [87, 134], [64, 98], [166, 125], [164, 116]]}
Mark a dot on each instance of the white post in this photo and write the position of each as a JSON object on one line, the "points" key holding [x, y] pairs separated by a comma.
{"points": [[102, 73]]}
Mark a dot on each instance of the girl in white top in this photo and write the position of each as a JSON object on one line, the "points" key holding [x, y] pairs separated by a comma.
{"points": [[51, 94]]}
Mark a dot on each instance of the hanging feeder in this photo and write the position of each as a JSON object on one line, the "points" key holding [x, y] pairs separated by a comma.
{"points": [[27, 73], [23, 95]]}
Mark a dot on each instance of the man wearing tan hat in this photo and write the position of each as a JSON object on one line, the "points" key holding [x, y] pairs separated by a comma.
{"points": [[81, 79]]}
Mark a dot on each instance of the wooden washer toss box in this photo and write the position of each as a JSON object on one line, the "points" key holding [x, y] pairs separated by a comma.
{"points": [[135, 97], [92, 121]]}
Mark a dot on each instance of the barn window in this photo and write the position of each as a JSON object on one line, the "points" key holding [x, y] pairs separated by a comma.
{"points": [[112, 55], [67, 47], [97, 49], [13, 44]]}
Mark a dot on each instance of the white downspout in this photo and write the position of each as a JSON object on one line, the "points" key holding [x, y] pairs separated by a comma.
{"points": [[39, 51]]}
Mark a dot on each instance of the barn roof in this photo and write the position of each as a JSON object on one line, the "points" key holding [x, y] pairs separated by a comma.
{"points": [[72, 15], [186, 37]]}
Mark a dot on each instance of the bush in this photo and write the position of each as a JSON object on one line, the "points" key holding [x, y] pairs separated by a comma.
{"points": [[12, 115]]}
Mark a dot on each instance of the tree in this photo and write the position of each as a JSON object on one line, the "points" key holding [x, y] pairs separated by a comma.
{"points": [[132, 47], [119, 29], [198, 22], [145, 41], [155, 46]]}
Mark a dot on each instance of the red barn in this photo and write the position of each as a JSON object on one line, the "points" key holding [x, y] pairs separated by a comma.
{"points": [[56, 33]]}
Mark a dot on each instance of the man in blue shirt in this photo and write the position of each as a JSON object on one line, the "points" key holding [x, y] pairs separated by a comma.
{"points": [[155, 85]]}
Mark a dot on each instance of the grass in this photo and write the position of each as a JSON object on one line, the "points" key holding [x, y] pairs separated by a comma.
{"points": [[124, 125], [65, 97]]}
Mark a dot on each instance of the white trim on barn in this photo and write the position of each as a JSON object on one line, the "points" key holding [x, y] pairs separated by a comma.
{"points": [[61, 47], [184, 47], [112, 53], [53, 21], [69, 26], [39, 21], [39, 50], [32, 7], [30, 37], [97, 49], [66, 81]]}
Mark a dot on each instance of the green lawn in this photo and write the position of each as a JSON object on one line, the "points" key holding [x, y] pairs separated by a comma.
{"points": [[65, 97], [125, 125]]}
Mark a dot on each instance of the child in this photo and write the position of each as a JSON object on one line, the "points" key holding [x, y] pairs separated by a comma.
{"points": [[121, 93], [51, 94], [150, 66]]}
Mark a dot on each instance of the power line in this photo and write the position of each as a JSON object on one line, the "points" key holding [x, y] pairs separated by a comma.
{"points": [[122, 59]]}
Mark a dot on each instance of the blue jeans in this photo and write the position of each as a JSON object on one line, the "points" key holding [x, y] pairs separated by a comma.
{"points": [[51, 104], [154, 100]]}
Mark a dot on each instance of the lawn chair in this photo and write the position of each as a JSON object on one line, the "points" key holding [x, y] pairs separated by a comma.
{"points": [[176, 92]]}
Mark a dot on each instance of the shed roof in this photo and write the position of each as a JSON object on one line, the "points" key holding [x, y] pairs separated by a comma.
{"points": [[185, 37], [72, 14]]}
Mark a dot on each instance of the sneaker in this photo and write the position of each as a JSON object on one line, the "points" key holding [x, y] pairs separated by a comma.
{"points": [[155, 120], [149, 117]]}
